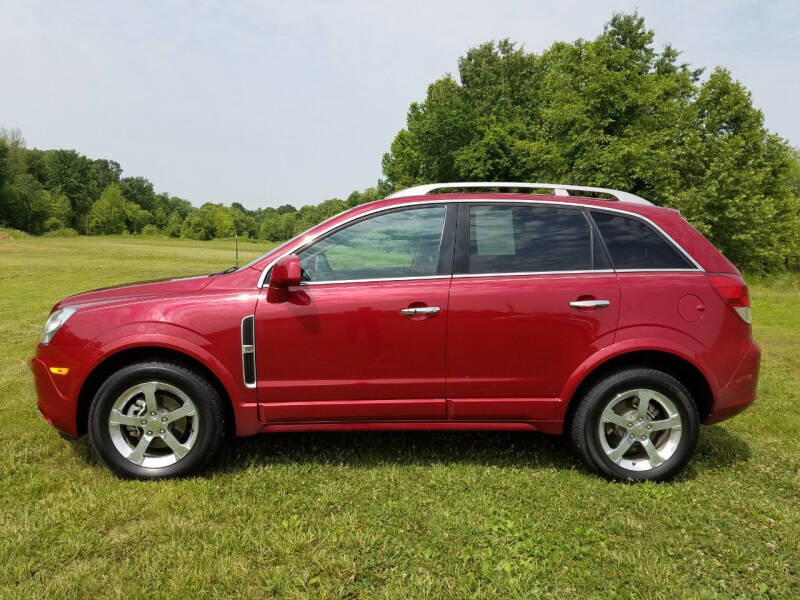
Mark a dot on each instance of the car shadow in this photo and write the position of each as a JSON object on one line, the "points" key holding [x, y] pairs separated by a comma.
{"points": [[380, 448], [717, 448]]}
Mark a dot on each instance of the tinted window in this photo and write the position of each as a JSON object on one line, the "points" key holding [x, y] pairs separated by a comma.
{"points": [[396, 244], [633, 244], [507, 238]]}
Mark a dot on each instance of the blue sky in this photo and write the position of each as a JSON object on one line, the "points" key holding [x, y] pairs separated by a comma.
{"points": [[296, 101]]}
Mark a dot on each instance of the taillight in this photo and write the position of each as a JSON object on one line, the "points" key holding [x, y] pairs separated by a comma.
{"points": [[733, 292]]}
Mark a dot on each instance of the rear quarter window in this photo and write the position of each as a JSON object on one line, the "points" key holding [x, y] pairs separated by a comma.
{"points": [[633, 244]]}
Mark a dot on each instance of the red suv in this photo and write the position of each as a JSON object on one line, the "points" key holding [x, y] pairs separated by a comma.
{"points": [[610, 320]]}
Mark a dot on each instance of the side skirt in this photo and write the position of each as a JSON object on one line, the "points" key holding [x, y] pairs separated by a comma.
{"points": [[553, 427]]}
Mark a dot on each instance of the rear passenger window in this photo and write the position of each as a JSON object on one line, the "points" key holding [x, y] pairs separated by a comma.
{"points": [[635, 245], [508, 238]]}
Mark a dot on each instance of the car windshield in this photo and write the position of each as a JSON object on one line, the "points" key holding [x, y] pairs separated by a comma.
{"points": [[289, 242]]}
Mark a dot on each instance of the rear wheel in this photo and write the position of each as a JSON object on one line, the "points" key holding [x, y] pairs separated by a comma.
{"points": [[639, 424], [153, 420]]}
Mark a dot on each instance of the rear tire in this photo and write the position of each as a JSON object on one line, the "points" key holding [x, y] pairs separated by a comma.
{"points": [[155, 420], [637, 424]]}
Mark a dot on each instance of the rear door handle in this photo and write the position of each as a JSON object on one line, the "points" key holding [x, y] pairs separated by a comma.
{"points": [[589, 304], [421, 310]]}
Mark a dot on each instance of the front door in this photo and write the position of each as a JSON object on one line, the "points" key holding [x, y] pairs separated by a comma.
{"points": [[363, 337], [533, 296]]}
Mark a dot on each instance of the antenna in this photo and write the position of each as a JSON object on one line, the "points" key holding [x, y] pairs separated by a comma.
{"points": [[236, 242]]}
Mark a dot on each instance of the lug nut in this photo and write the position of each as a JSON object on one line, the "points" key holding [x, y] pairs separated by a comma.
{"points": [[640, 418], [644, 437], [649, 426], [163, 430], [630, 425], [144, 421], [153, 414], [631, 436], [164, 419], [149, 433]]}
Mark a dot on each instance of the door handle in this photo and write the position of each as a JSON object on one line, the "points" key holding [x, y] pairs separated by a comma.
{"points": [[421, 310], [589, 304]]}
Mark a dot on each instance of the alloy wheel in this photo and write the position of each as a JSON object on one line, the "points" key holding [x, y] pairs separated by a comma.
{"points": [[153, 424], [640, 429]]}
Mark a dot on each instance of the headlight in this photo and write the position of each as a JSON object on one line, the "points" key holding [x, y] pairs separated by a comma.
{"points": [[54, 322]]}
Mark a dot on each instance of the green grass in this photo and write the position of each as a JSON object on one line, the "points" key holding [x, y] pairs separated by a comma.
{"points": [[386, 515]]}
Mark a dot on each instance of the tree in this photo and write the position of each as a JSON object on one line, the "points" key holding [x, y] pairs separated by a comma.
{"points": [[286, 208], [197, 226], [611, 112], [108, 215], [136, 217], [59, 207], [174, 225], [103, 173], [6, 207], [68, 172], [140, 191], [24, 203], [53, 224]]}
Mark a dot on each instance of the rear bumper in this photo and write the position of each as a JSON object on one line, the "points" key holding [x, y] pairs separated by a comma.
{"points": [[741, 390]]}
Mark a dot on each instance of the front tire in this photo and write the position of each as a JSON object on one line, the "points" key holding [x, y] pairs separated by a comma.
{"points": [[154, 420], [636, 424]]}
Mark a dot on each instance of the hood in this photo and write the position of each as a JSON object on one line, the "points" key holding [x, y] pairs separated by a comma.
{"points": [[137, 291]]}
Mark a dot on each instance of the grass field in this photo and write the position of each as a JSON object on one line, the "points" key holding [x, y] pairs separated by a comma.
{"points": [[386, 515]]}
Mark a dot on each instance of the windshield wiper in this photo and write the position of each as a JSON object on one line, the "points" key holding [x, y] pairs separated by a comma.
{"points": [[225, 272]]}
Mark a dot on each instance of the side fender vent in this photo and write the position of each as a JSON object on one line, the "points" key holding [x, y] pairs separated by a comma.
{"points": [[249, 351]]}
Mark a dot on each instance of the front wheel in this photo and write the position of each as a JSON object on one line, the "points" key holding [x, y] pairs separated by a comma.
{"points": [[638, 424], [153, 420]]}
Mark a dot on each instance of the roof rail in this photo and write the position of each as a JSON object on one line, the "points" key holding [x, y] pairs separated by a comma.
{"points": [[558, 189]]}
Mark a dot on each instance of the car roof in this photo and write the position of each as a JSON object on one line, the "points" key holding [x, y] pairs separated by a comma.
{"points": [[601, 203]]}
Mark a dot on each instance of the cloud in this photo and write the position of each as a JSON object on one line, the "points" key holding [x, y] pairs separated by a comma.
{"points": [[272, 102]]}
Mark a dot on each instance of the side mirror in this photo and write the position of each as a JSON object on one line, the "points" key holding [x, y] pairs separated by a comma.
{"points": [[285, 273]]}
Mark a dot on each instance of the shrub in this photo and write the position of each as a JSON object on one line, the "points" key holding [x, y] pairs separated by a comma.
{"points": [[150, 231], [53, 224]]}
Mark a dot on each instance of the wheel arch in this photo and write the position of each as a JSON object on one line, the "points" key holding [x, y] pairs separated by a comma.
{"points": [[671, 363], [127, 356]]}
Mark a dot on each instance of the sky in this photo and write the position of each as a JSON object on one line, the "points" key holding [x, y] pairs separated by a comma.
{"points": [[266, 103]]}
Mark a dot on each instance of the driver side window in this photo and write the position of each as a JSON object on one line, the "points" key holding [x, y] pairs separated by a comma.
{"points": [[403, 243]]}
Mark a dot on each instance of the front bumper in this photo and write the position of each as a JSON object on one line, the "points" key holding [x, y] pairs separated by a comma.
{"points": [[741, 390], [58, 394], [56, 408]]}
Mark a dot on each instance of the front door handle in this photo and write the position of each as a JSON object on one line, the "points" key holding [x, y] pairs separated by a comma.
{"points": [[421, 310], [589, 304]]}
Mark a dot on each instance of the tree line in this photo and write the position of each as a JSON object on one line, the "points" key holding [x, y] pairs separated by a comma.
{"points": [[63, 192], [609, 112]]}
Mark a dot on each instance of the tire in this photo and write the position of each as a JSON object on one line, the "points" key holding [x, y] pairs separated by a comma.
{"points": [[178, 438], [620, 446]]}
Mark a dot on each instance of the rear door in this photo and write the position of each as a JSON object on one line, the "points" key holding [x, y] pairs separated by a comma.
{"points": [[533, 295]]}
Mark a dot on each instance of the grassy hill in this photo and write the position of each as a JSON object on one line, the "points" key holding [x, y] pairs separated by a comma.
{"points": [[388, 515]]}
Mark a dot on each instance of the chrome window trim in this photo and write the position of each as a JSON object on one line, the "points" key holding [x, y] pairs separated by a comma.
{"points": [[659, 270], [377, 279], [305, 241], [524, 273]]}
